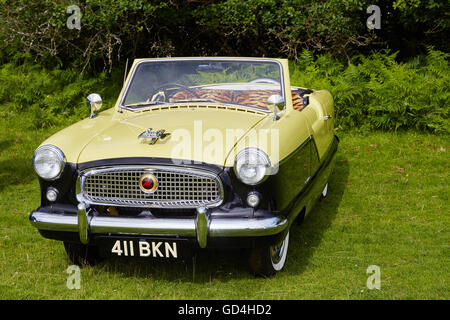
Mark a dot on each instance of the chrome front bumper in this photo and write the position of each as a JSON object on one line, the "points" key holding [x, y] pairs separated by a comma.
{"points": [[200, 227]]}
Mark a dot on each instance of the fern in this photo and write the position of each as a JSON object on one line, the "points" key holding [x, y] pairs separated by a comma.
{"points": [[379, 93]]}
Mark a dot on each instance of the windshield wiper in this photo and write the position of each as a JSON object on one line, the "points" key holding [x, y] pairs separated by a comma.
{"points": [[196, 100], [133, 106], [144, 103]]}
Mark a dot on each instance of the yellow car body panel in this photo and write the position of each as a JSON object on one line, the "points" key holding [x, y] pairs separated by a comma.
{"points": [[188, 128]]}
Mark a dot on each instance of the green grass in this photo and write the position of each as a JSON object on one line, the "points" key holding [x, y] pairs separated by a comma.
{"points": [[387, 206]]}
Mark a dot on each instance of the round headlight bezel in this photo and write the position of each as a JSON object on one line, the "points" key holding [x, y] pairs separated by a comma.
{"points": [[263, 166], [59, 156]]}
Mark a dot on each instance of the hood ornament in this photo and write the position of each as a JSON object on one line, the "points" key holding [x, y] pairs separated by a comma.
{"points": [[153, 135]]}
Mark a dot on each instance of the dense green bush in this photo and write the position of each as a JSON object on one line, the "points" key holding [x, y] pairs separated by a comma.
{"points": [[379, 93], [373, 92], [49, 97], [113, 30], [273, 27]]}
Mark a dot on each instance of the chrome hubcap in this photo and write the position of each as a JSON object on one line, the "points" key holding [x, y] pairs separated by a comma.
{"points": [[278, 250]]}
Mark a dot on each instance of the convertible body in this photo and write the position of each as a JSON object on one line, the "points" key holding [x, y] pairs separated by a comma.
{"points": [[196, 153]]}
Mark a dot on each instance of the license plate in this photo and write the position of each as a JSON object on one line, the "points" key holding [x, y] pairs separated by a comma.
{"points": [[145, 248]]}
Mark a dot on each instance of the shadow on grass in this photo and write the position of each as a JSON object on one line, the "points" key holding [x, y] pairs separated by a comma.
{"points": [[305, 238], [206, 265], [5, 144], [16, 172], [224, 265]]}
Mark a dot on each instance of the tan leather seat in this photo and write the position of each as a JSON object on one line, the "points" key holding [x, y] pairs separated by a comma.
{"points": [[252, 98]]}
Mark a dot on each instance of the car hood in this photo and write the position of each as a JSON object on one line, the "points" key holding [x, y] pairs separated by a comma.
{"points": [[197, 134]]}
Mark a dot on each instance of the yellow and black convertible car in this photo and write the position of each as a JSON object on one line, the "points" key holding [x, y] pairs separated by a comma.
{"points": [[197, 153]]}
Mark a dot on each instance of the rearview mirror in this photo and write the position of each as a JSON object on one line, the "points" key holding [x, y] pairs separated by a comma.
{"points": [[94, 102], [278, 103]]}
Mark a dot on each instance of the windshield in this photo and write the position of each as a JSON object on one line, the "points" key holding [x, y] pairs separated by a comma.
{"points": [[239, 82]]}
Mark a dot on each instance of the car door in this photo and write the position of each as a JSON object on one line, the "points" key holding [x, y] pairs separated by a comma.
{"points": [[319, 114], [295, 148]]}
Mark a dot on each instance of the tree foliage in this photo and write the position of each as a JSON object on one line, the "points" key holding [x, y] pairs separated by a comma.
{"points": [[113, 30]]}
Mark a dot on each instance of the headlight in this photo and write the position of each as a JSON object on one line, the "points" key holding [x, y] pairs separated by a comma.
{"points": [[48, 162], [251, 166]]}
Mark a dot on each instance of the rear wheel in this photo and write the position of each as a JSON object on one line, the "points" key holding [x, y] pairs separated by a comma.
{"points": [[267, 261], [82, 255]]}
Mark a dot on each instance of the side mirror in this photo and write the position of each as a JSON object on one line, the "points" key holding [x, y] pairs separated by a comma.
{"points": [[278, 103], [94, 103]]}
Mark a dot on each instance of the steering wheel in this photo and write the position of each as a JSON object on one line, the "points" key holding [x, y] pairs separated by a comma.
{"points": [[264, 80], [166, 86]]}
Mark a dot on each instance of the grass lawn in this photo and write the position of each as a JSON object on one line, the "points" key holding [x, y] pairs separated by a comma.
{"points": [[387, 206]]}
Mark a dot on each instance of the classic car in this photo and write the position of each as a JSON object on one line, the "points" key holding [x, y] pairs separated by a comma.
{"points": [[196, 153]]}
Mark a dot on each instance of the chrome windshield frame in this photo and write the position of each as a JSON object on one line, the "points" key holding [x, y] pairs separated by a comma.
{"points": [[206, 59]]}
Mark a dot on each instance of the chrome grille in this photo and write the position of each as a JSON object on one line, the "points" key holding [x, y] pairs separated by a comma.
{"points": [[177, 187]]}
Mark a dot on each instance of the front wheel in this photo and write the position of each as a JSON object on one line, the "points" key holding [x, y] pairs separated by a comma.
{"points": [[267, 261]]}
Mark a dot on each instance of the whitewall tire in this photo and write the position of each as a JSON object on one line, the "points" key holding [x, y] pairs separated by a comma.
{"points": [[267, 261]]}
